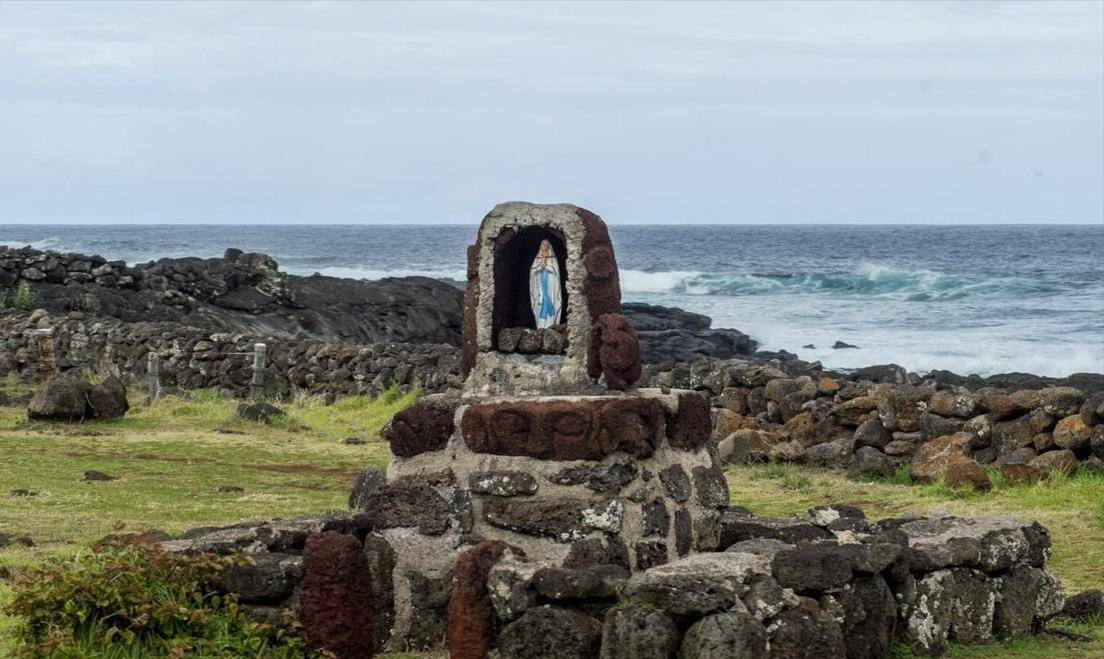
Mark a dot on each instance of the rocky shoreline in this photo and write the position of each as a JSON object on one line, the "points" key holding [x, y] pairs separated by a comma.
{"points": [[334, 337]]}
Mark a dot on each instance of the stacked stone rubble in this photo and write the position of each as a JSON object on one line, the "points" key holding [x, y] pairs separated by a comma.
{"points": [[828, 584]]}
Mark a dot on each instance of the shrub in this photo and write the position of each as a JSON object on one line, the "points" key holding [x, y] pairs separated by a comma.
{"points": [[3, 299], [135, 600], [24, 297]]}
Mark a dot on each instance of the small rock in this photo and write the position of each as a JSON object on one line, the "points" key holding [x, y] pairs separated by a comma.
{"points": [[92, 475], [1072, 433], [967, 473], [353, 441], [230, 489], [839, 345], [260, 412], [870, 462], [1062, 461], [1084, 606]]}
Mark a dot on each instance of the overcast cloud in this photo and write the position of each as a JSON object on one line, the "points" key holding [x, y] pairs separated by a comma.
{"points": [[751, 113]]}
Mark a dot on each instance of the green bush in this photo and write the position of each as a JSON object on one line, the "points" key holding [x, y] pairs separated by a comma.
{"points": [[134, 600], [3, 299], [24, 297]]}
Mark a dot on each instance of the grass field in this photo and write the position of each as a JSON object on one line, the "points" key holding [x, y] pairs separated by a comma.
{"points": [[171, 460]]}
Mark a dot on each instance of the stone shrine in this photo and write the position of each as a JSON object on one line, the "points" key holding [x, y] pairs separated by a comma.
{"points": [[549, 448]]}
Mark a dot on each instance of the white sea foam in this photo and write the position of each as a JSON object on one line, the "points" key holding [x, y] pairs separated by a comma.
{"points": [[639, 281], [51, 242]]}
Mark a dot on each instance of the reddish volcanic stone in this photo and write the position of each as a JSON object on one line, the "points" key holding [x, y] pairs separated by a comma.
{"points": [[693, 424], [469, 348], [335, 603], [420, 428], [471, 618], [603, 283], [614, 351], [565, 430]]}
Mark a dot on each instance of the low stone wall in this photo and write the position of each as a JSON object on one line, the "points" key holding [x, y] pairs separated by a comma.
{"points": [[761, 413], [193, 358], [830, 584]]}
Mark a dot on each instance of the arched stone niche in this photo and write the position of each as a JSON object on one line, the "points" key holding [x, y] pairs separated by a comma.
{"points": [[514, 252], [593, 346]]}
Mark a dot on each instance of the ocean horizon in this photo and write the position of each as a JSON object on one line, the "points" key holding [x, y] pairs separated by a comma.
{"points": [[979, 299]]}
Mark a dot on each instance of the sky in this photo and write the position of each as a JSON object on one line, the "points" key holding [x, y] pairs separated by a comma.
{"points": [[868, 112]]}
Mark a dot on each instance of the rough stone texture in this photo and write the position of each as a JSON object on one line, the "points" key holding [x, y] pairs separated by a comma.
{"points": [[872, 433], [1028, 597], [683, 532], [967, 473], [1063, 461], [605, 478], [419, 428], [108, 399], [990, 544], [606, 550], [871, 463], [471, 619], [614, 351], [551, 631], [335, 604], [657, 520], [710, 487], [696, 585], [61, 398], [746, 446], [650, 553], [934, 458], [807, 632], [381, 560], [812, 567], [502, 483], [870, 617], [259, 411], [563, 430], [635, 632], [691, 427], [675, 482], [429, 600], [579, 585], [564, 520], [737, 525], [409, 501], [1086, 605], [728, 634], [267, 578], [1072, 433], [368, 481]]}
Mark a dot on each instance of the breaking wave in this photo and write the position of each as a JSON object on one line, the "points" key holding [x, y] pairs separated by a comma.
{"points": [[868, 280], [51, 242]]}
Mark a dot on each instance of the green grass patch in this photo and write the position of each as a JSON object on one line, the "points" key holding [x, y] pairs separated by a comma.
{"points": [[170, 459]]}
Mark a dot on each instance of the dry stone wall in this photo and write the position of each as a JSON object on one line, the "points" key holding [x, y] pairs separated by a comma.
{"points": [[830, 584], [193, 358]]}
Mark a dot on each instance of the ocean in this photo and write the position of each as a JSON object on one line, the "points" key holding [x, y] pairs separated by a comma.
{"points": [[971, 299]]}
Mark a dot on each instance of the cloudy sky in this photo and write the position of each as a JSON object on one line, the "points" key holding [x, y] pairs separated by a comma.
{"points": [[742, 112]]}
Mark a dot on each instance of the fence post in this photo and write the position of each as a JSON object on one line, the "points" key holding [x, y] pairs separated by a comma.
{"points": [[153, 375], [44, 339], [256, 384]]}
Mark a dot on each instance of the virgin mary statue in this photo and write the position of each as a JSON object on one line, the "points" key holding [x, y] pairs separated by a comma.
{"points": [[544, 287]]}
